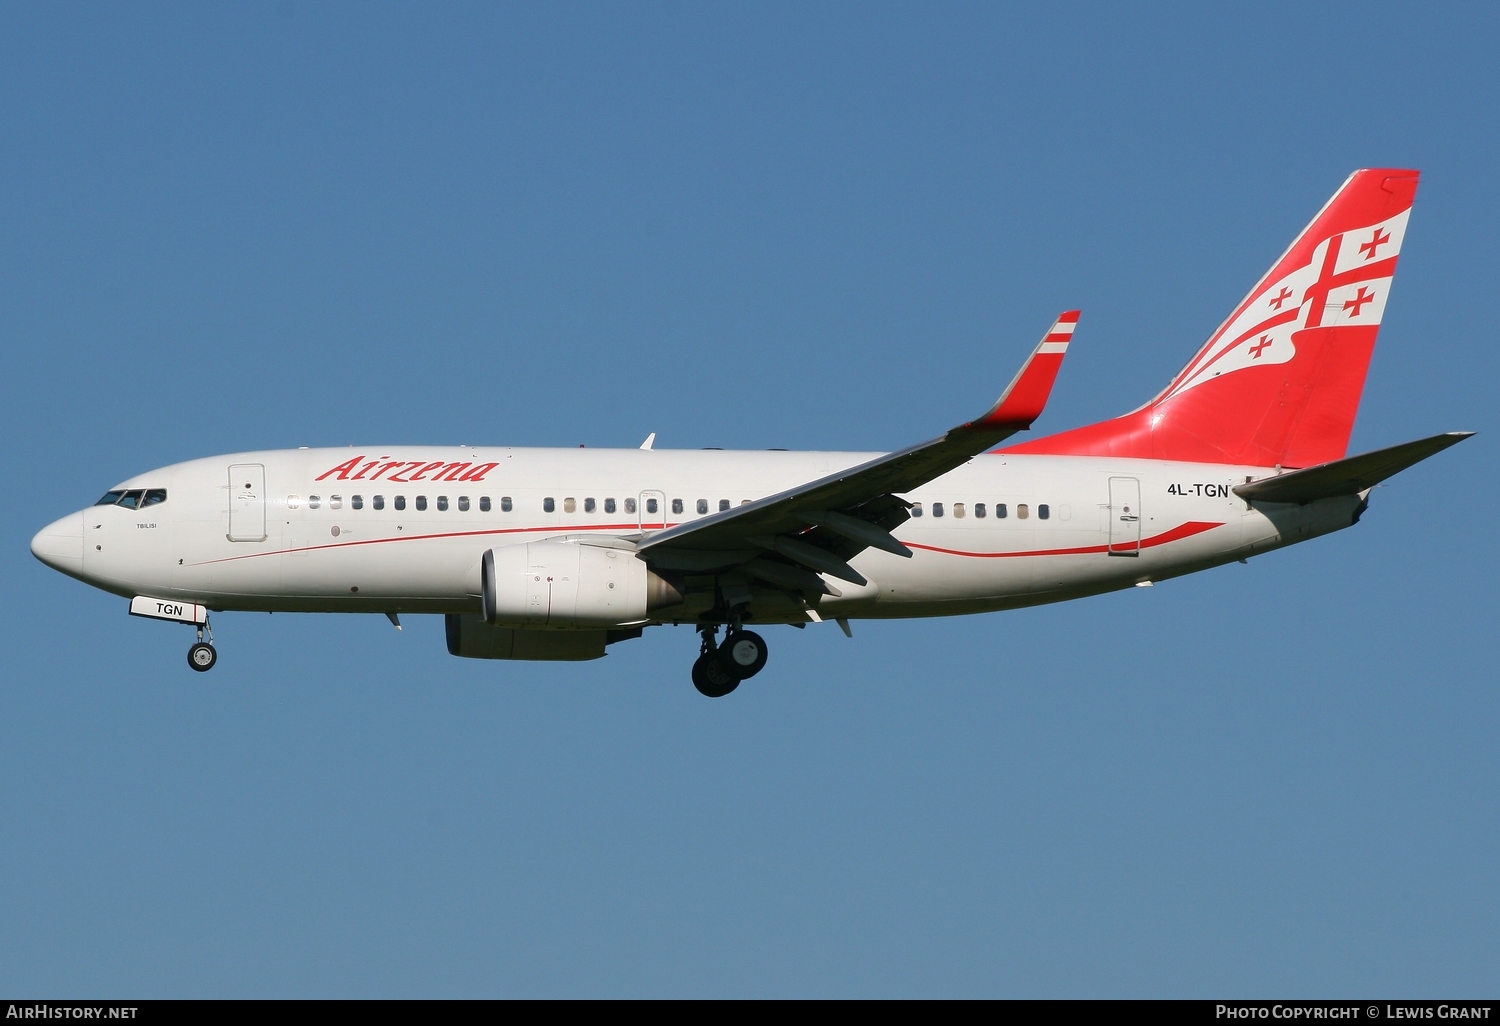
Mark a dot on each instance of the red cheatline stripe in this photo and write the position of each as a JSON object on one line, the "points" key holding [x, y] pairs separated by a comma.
{"points": [[1187, 530], [425, 537]]}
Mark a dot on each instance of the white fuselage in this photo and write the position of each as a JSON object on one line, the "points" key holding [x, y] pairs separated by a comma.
{"points": [[317, 552]]}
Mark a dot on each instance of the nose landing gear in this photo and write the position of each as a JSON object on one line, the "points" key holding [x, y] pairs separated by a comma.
{"points": [[720, 668], [203, 655]]}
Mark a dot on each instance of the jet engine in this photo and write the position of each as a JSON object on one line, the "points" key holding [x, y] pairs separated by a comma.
{"points": [[472, 638], [560, 583]]}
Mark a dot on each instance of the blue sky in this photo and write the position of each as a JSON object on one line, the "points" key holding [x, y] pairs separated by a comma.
{"points": [[239, 226]]}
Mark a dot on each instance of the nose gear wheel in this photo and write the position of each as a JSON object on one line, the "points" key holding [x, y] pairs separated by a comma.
{"points": [[202, 657]]}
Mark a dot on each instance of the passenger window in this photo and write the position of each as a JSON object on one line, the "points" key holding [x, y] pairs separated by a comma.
{"points": [[979, 510], [958, 511], [548, 504], [744, 502], [588, 505], [676, 505], [1043, 511], [650, 505], [1000, 512], [313, 502], [463, 504], [723, 505], [295, 501], [570, 505], [335, 502], [110, 498], [609, 505], [155, 495], [937, 509], [916, 509], [132, 498], [1022, 511], [505, 504], [356, 502], [629, 505], [442, 503], [484, 504], [378, 502], [421, 502], [702, 506], [400, 502]]}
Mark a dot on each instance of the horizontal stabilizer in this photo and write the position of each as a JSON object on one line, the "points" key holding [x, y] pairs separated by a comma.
{"points": [[1348, 476]]}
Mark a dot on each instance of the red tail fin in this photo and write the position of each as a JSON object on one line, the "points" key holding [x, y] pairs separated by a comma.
{"points": [[1279, 382]]}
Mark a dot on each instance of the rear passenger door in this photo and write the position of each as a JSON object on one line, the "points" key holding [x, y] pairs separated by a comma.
{"points": [[1124, 516]]}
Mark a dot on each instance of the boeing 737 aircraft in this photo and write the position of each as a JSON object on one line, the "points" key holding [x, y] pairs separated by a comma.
{"points": [[559, 553]]}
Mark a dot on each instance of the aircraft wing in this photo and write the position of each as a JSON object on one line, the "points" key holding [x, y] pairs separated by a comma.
{"points": [[820, 525]]}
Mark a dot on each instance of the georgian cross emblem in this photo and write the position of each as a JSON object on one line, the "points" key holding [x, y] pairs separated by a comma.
{"points": [[1255, 350], [1317, 293], [1360, 299], [1280, 297], [1377, 239]]}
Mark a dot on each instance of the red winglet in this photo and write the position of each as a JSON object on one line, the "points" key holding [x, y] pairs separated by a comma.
{"points": [[1024, 400]]}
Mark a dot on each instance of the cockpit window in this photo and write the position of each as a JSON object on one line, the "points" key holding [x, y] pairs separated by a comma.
{"points": [[133, 499]]}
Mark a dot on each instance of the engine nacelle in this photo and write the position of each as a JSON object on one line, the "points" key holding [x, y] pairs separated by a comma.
{"points": [[569, 584], [472, 638]]}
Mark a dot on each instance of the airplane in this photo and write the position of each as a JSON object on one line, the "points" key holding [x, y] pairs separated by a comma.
{"points": [[556, 554]]}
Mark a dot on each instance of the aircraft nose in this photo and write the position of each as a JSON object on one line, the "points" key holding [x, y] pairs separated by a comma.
{"points": [[60, 544]]}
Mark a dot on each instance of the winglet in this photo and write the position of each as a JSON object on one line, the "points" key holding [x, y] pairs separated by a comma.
{"points": [[1023, 401]]}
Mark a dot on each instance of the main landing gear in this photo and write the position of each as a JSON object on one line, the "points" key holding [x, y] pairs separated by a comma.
{"points": [[720, 667], [202, 655]]}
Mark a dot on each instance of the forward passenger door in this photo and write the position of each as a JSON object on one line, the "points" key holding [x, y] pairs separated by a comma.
{"points": [[247, 502]]}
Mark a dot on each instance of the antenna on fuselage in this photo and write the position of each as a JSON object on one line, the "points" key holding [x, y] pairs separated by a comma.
{"points": [[650, 441]]}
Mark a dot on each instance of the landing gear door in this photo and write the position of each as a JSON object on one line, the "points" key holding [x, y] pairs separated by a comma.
{"points": [[1124, 516], [651, 508], [247, 502]]}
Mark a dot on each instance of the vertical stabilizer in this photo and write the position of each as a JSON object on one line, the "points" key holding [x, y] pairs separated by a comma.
{"points": [[1279, 382]]}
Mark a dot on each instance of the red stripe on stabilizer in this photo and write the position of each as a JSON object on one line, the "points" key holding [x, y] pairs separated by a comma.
{"points": [[1070, 316], [1186, 530]]}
